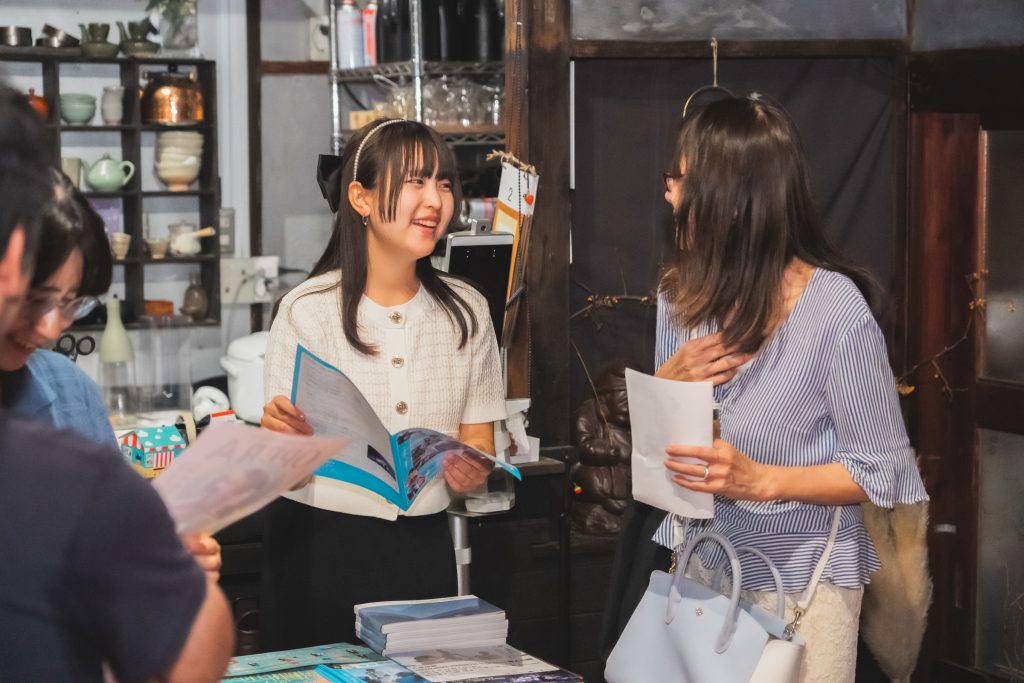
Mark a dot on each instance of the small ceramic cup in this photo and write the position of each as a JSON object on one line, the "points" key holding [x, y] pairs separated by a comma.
{"points": [[119, 243], [72, 168], [157, 248], [112, 105]]}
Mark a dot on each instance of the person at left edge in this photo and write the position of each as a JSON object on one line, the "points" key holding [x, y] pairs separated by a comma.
{"points": [[73, 266]]}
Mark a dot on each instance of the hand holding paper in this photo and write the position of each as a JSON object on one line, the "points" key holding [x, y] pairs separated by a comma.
{"points": [[665, 412]]}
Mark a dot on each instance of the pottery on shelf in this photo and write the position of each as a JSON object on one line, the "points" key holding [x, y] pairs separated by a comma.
{"points": [[77, 108], [196, 302], [109, 175], [134, 40]]}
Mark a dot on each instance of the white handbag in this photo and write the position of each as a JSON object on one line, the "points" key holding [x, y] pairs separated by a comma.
{"points": [[684, 631]]}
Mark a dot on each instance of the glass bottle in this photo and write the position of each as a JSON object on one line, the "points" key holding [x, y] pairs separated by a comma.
{"points": [[196, 302], [117, 368]]}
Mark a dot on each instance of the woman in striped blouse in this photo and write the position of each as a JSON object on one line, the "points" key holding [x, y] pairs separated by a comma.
{"points": [[758, 303]]}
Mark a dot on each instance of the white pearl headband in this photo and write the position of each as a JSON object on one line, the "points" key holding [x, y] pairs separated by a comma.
{"points": [[359, 150]]}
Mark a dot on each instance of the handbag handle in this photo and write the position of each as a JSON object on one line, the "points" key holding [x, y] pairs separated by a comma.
{"points": [[780, 603], [675, 592]]}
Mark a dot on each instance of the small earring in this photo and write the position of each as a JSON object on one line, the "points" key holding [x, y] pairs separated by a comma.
{"points": [[366, 220]]}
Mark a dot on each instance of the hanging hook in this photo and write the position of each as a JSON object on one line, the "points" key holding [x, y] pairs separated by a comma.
{"points": [[714, 84], [714, 61]]}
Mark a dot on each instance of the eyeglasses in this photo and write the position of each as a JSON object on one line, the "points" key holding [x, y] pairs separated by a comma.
{"points": [[36, 306], [669, 178]]}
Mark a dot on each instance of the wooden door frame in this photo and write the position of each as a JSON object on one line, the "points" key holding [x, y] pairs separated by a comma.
{"points": [[951, 96]]}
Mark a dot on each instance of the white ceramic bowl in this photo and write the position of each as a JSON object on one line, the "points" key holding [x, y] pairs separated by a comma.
{"points": [[176, 157], [175, 138], [183, 148], [177, 177]]}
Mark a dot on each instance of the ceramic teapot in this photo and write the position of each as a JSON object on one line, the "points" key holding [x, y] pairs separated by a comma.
{"points": [[135, 41], [109, 175]]}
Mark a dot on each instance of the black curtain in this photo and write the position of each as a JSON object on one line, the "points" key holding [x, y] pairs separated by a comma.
{"points": [[625, 117]]}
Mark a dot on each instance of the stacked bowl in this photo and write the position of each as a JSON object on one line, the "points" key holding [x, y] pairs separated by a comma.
{"points": [[77, 108], [179, 155]]}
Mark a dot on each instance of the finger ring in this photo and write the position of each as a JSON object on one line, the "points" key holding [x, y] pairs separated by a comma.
{"points": [[707, 471]]}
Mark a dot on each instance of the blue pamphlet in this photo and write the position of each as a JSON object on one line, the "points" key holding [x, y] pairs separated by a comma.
{"points": [[395, 466], [294, 665]]}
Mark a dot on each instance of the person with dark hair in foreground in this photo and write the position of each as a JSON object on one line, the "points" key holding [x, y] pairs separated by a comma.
{"points": [[93, 574]]}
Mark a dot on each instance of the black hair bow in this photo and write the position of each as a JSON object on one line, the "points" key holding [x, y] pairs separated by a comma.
{"points": [[328, 177]]}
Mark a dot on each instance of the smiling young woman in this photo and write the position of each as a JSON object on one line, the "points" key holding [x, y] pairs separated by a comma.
{"points": [[420, 346]]}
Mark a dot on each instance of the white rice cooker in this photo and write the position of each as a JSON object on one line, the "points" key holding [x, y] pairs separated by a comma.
{"points": [[244, 365]]}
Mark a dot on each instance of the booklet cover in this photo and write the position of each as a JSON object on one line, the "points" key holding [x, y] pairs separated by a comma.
{"points": [[399, 615], [395, 466]]}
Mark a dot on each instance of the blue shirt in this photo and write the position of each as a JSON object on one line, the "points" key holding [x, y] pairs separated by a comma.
{"points": [[51, 388], [819, 391]]}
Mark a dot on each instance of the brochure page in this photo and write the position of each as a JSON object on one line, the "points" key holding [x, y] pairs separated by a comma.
{"points": [[334, 406], [664, 412]]}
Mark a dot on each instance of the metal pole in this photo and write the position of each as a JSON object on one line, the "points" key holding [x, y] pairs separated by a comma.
{"points": [[416, 31], [335, 83], [459, 527]]}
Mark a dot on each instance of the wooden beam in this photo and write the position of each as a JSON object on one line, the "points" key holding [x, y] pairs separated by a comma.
{"points": [[254, 58], [999, 406], [288, 68], [967, 81], [630, 49], [944, 167], [537, 87]]}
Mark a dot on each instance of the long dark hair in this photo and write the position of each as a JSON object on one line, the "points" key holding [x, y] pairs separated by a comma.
{"points": [[391, 154], [746, 212], [68, 222]]}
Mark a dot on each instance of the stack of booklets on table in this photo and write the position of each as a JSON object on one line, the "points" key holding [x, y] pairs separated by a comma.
{"points": [[403, 626]]}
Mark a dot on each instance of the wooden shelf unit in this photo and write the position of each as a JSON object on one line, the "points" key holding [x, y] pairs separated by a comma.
{"points": [[206, 192]]}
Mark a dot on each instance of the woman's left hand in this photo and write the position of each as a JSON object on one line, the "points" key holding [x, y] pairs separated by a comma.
{"points": [[727, 471], [465, 473], [205, 550]]}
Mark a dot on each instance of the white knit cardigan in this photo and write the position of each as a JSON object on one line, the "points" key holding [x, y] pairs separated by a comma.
{"points": [[418, 378]]}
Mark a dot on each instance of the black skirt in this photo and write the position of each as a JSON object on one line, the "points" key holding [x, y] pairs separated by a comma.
{"points": [[319, 564]]}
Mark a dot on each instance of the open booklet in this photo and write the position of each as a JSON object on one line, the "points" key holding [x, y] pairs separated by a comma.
{"points": [[395, 466]]}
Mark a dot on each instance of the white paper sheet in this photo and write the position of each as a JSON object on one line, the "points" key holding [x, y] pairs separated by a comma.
{"points": [[233, 469], [664, 412]]}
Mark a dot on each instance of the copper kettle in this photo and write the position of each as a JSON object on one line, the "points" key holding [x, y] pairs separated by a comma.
{"points": [[170, 97]]}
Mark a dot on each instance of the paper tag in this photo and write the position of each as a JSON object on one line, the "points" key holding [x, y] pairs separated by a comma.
{"points": [[517, 191]]}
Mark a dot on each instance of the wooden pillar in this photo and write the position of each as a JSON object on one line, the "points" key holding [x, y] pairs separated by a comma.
{"points": [[537, 104], [941, 256]]}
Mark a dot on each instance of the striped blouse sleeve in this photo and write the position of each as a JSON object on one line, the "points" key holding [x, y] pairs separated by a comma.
{"points": [[871, 438]]}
